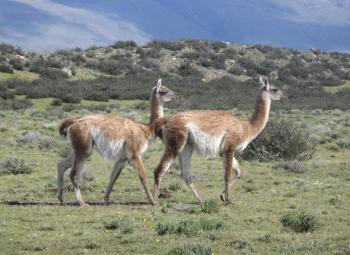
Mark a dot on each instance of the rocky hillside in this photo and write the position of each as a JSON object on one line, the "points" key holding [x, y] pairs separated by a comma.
{"points": [[209, 74]]}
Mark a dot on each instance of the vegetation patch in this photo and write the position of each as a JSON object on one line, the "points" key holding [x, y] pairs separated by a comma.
{"points": [[125, 225], [293, 166], [188, 227], [14, 166], [191, 249], [210, 206], [281, 139], [300, 221]]}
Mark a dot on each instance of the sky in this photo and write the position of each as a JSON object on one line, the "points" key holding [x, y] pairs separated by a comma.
{"points": [[48, 25]]}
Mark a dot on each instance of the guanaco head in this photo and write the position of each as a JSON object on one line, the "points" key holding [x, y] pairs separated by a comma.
{"points": [[163, 94], [272, 91]]}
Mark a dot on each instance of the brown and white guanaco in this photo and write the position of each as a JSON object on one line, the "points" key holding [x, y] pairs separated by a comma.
{"points": [[211, 133], [117, 138]]}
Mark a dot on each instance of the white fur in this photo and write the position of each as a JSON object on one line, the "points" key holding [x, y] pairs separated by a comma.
{"points": [[109, 148], [204, 144], [243, 145], [144, 147]]}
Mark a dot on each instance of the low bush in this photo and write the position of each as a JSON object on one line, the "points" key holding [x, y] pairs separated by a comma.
{"points": [[14, 166], [293, 166], [15, 104], [6, 68], [56, 102], [124, 225], [300, 221], [191, 249], [281, 139], [188, 227], [175, 186], [124, 45], [210, 206]]}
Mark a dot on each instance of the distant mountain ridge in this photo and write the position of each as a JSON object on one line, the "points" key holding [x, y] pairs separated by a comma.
{"points": [[124, 70]]}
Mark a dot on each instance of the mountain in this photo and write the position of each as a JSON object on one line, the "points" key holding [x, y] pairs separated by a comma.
{"points": [[46, 25]]}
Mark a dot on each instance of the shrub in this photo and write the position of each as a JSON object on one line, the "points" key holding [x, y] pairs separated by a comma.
{"points": [[293, 166], [239, 244], [10, 49], [175, 186], [188, 227], [209, 224], [124, 45], [47, 143], [91, 246], [54, 74], [300, 222], [124, 225], [17, 63], [169, 45], [6, 68], [186, 69], [281, 139], [249, 187], [15, 104], [56, 102], [210, 206], [14, 166], [236, 69], [191, 249]]}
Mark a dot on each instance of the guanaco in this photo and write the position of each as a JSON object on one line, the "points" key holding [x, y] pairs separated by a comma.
{"points": [[211, 133], [120, 139]]}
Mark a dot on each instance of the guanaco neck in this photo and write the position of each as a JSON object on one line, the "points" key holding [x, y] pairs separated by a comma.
{"points": [[156, 112], [261, 114]]}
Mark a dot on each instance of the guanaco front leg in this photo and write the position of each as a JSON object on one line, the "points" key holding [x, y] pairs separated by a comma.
{"points": [[162, 167], [78, 166], [138, 165], [228, 162], [117, 169]]}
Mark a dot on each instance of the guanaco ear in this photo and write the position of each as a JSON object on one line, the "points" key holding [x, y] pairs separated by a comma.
{"points": [[267, 83], [261, 82], [159, 83]]}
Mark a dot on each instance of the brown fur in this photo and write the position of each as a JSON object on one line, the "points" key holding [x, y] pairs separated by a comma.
{"points": [[126, 138], [64, 126], [211, 127]]}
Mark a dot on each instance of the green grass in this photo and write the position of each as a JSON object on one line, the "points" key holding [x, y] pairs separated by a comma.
{"points": [[335, 89], [21, 75], [89, 74], [252, 225]]}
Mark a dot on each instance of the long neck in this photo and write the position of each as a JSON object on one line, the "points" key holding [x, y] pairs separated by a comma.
{"points": [[156, 111], [261, 115]]}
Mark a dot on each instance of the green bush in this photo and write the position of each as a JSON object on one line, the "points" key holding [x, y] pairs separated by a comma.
{"points": [[56, 102], [293, 166], [175, 186], [281, 140], [188, 227], [6, 68], [191, 249], [14, 166], [124, 45], [210, 206], [15, 104], [299, 221], [124, 225]]}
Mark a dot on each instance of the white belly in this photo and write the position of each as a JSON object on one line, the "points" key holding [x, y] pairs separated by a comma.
{"points": [[204, 144], [111, 149]]}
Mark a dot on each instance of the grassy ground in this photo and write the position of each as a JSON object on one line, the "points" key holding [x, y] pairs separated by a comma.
{"points": [[251, 226], [21, 75], [335, 89]]}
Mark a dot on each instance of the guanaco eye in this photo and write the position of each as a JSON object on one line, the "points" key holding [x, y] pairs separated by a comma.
{"points": [[274, 90], [163, 92]]}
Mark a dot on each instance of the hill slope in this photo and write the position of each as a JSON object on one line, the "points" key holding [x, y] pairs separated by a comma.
{"points": [[209, 74]]}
